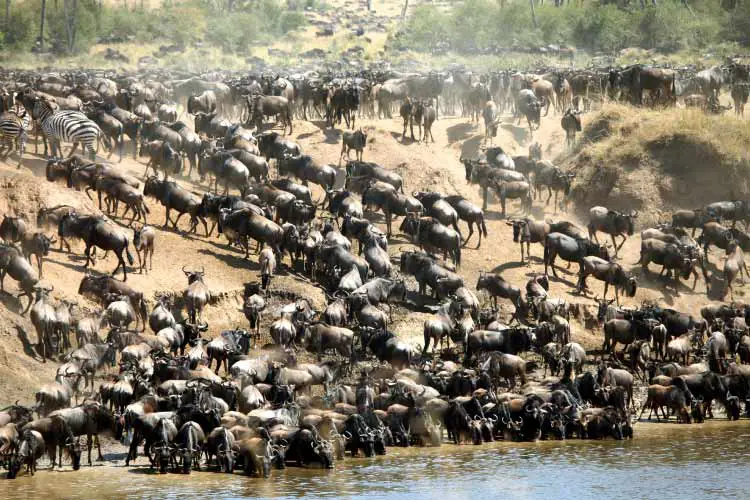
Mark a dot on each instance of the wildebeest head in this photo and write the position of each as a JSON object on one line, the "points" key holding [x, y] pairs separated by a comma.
{"points": [[469, 165], [410, 225], [615, 78], [602, 305], [732, 406], [518, 226], [42, 292], [73, 448], [631, 286], [225, 457], [137, 236], [154, 187], [194, 276]]}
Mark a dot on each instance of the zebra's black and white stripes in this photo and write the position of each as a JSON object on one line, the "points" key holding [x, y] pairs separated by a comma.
{"points": [[13, 127], [66, 126]]}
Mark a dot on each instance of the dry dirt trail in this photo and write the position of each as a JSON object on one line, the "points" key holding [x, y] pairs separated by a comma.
{"points": [[424, 167]]}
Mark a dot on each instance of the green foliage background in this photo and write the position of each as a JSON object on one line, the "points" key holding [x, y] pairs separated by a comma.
{"points": [[184, 23], [595, 27]]}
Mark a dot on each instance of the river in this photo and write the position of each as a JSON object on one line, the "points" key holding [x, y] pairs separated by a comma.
{"points": [[664, 461]]}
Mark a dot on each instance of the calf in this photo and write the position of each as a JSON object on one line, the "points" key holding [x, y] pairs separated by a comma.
{"points": [[672, 397]]}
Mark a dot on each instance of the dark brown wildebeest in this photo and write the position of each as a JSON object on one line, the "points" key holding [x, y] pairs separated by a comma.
{"points": [[740, 93], [610, 273], [638, 78], [429, 116], [356, 140], [261, 106]]}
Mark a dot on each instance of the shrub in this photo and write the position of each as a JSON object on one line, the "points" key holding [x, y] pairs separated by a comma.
{"points": [[483, 24]]}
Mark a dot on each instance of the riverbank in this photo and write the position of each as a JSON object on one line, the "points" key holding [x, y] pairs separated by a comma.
{"points": [[664, 461]]}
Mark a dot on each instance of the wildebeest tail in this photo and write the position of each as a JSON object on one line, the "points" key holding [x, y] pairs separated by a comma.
{"points": [[483, 226], [546, 252]]}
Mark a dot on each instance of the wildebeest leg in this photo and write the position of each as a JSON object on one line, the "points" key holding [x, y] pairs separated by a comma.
{"points": [[624, 238], [120, 262], [166, 222], [177, 220], [471, 231], [100, 458]]}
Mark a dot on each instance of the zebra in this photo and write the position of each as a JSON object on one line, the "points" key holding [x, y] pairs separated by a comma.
{"points": [[65, 125], [13, 127]]}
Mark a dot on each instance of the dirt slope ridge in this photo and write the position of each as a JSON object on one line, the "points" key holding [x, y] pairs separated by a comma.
{"points": [[656, 161]]}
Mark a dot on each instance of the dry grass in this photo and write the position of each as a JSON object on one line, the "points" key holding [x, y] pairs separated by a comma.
{"points": [[652, 160]]}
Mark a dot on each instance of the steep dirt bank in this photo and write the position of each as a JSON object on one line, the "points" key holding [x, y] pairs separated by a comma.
{"points": [[656, 161]]}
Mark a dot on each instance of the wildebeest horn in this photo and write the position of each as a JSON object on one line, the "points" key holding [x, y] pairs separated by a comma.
{"points": [[183, 270]]}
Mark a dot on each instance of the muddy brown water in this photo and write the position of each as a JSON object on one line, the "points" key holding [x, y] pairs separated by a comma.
{"points": [[663, 461]]}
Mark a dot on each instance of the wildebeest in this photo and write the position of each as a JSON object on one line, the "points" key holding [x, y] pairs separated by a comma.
{"points": [[470, 213], [610, 273], [740, 92], [672, 397], [527, 231], [612, 223], [734, 264], [356, 140], [496, 287], [571, 124], [143, 240], [510, 341], [529, 106], [489, 114], [369, 170], [43, 318], [507, 366], [203, 103], [638, 78], [262, 106], [98, 232], [570, 249], [670, 257], [162, 156], [430, 233], [197, 294], [174, 197]]}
